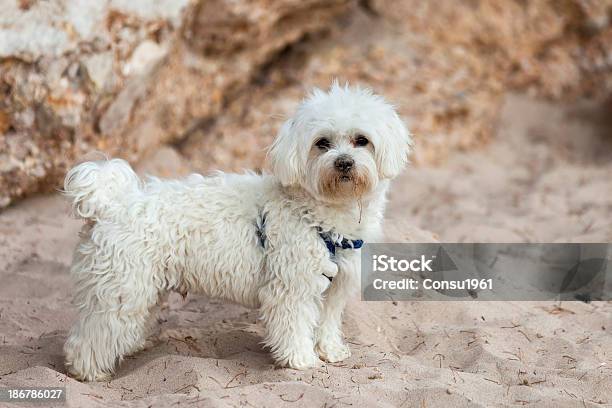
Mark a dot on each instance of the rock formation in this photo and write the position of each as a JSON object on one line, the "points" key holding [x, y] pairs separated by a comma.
{"points": [[213, 78], [122, 76]]}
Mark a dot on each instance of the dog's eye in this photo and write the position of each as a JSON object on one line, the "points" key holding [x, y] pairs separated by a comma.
{"points": [[323, 144], [361, 141]]}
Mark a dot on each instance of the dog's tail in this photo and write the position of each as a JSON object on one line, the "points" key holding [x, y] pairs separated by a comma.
{"points": [[99, 188]]}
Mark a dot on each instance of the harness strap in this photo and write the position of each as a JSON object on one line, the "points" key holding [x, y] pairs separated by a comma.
{"points": [[332, 241]]}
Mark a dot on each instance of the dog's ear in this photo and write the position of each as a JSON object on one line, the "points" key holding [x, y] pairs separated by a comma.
{"points": [[393, 148], [283, 155]]}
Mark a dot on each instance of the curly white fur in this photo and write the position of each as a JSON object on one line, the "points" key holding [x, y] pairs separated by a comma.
{"points": [[202, 235]]}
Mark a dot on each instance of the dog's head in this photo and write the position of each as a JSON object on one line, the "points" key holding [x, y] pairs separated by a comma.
{"points": [[340, 144]]}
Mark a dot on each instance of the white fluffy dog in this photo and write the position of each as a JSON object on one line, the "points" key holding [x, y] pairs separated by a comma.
{"points": [[271, 242]]}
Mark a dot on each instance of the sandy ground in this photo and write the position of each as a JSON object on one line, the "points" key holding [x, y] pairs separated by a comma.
{"points": [[546, 178]]}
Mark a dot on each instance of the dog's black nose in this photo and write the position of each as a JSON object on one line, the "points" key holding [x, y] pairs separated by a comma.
{"points": [[344, 163]]}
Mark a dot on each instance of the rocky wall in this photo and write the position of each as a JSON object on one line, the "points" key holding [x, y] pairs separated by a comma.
{"points": [[214, 79]]}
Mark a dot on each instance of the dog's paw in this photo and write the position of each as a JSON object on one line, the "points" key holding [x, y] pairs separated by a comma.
{"points": [[301, 361], [333, 352], [81, 364], [87, 375]]}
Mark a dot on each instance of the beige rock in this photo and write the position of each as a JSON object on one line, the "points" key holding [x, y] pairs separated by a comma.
{"points": [[206, 76], [446, 65], [144, 58], [122, 77], [164, 162], [99, 69]]}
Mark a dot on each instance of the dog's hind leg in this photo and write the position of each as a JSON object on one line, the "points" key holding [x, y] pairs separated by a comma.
{"points": [[115, 303], [100, 340]]}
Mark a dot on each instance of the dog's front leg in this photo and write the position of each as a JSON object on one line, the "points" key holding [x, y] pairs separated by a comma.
{"points": [[290, 315], [329, 340]]}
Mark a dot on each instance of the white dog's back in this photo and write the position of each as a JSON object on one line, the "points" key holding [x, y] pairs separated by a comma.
{"points": [[186, 233]]}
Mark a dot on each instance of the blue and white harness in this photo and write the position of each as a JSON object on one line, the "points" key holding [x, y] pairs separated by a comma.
{"points": [[338, 242], [332, 241]]}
